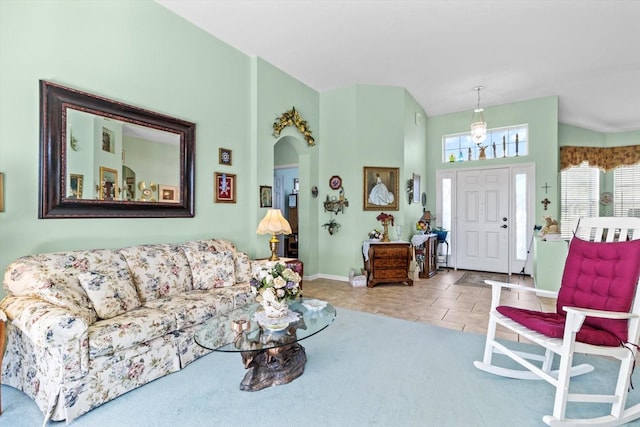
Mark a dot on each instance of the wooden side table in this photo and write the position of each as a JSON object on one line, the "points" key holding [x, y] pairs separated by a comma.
{"points": [[388, 263]]}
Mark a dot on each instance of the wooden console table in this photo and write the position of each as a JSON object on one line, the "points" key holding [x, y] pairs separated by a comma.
{"points": [[425, 247], [387, 263]]}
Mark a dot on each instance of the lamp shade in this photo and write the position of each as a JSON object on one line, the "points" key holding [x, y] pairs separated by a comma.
{"points": [[426, 216], [274, 223], [479, 131]]}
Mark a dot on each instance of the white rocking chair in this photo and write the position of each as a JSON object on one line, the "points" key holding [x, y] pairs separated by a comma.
{"points": [[597, 313]]}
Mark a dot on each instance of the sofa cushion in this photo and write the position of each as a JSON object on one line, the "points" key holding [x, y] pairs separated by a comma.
{"points": [[60, 285], [111, 292], [126, 330], [194, 307], [242, 267], [210, 267], [158, 270], [25, 276]]}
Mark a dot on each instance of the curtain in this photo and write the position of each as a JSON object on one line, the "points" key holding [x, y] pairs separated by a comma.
{"points": [[603, 158]]}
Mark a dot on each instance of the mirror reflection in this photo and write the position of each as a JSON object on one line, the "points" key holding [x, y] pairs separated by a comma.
{"points": [[109, 159], [101, 158]]}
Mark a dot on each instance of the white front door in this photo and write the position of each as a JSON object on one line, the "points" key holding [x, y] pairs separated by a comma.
{"points": [[482, 219]]}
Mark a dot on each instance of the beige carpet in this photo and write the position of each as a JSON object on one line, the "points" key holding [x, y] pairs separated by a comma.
{"points": [[477, 278]]}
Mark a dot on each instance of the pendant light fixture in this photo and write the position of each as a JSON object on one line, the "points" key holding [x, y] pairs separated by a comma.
{"points": [[478, 125]]}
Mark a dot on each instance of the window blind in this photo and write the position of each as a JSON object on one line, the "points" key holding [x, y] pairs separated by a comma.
{"points": [[626, 191], [579, 191]]}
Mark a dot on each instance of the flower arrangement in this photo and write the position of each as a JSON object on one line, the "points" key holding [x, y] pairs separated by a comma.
{"points": [[375, 234], [275, 283], [422, 225], [385, 218]]}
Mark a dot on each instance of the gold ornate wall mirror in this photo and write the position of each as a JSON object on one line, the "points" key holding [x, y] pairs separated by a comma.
{"points": [[94, 153]]}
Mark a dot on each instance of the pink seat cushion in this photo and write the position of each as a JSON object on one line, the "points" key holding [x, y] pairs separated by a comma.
{"points": [[552, 325], [599, 276]]}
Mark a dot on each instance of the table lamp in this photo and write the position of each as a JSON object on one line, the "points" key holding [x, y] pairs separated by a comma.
{"points": [[274, 223], [426, 217]]}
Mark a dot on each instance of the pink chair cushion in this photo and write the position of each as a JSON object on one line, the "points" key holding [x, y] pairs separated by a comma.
{"points": [[597, 275], [552, 325]]}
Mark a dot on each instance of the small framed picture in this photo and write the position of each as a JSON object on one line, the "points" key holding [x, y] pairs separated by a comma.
{"points": [[416, 188], [1, 192], [108, 140], [108, 183], [293, 200], [168, 193], [266, 199], [224, 156], [224, 187], [75, 186]]}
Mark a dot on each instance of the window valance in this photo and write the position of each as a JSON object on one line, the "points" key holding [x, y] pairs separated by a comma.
{"points": [[604, 158]]}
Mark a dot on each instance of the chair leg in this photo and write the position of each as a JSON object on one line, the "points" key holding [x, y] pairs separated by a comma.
{"points": [[491, 336], [622, 386], [562, 387]]}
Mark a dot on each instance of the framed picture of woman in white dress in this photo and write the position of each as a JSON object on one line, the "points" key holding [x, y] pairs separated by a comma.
{"points": [[380, 188]]}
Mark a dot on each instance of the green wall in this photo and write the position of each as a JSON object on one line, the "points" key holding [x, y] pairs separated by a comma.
{"points": [[275, 92], [572, 135], [139, 53], [365, 125], [135, 52], [542, 116]]}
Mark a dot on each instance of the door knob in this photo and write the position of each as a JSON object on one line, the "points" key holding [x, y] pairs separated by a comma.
{"points": [[504, 225], [504, 218]]}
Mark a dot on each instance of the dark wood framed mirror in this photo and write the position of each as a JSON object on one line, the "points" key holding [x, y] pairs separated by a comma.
{"points": [[101, 158]]}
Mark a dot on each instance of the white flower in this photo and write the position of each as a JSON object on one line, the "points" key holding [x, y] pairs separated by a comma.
{"points": [[279, 282]]}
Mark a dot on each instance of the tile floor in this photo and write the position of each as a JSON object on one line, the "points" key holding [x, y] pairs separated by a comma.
{"points": [[436, 300]]}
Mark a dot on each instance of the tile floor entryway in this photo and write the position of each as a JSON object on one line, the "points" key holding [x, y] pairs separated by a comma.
{"points": [[437, 300]]}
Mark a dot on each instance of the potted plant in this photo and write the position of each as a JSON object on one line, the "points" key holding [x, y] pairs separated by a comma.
{"points": [[332, 226]]}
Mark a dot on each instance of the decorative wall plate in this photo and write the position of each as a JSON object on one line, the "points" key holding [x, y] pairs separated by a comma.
{"points": [[335, 182], [424, 199], [314, 191], [606, 198]]}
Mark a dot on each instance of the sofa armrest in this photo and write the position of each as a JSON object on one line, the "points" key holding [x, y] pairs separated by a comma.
{"points": [[44, 323]]}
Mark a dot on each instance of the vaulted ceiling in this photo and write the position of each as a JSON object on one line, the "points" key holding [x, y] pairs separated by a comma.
{"points": [[587, 52]]}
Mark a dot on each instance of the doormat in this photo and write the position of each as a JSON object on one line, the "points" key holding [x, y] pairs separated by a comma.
{"points": [[477, 278]]}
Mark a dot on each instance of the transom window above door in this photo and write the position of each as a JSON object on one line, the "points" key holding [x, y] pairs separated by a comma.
{"points": [[510, 141]]}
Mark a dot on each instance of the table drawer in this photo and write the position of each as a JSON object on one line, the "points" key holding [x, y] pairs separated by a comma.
{"points": [[395, 274], [391, 252], [390, 263]]}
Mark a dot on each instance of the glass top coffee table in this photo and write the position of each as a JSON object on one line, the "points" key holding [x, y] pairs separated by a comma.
{"points": [[270, 357]]}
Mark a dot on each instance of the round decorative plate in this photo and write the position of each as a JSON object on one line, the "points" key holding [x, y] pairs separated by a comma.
{"points": [[606, 198], [335, 182], [424, 199], [314, 191], [314, 304]]}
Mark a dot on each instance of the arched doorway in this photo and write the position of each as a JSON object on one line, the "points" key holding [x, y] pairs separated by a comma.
{"points": [[286, 191]]}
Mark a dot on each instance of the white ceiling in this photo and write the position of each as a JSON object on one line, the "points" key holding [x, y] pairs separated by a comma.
{"points": [[587, 52]]}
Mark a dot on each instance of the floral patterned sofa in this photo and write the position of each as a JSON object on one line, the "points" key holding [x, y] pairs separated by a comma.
{"points": [[87, 326]]}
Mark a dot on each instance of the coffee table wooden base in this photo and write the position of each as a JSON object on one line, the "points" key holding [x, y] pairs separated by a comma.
{"points": [[275, 366]]}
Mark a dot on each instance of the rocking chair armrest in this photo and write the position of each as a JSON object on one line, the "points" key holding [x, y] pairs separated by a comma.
{"points": [[498, 286], [600, 313]]}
